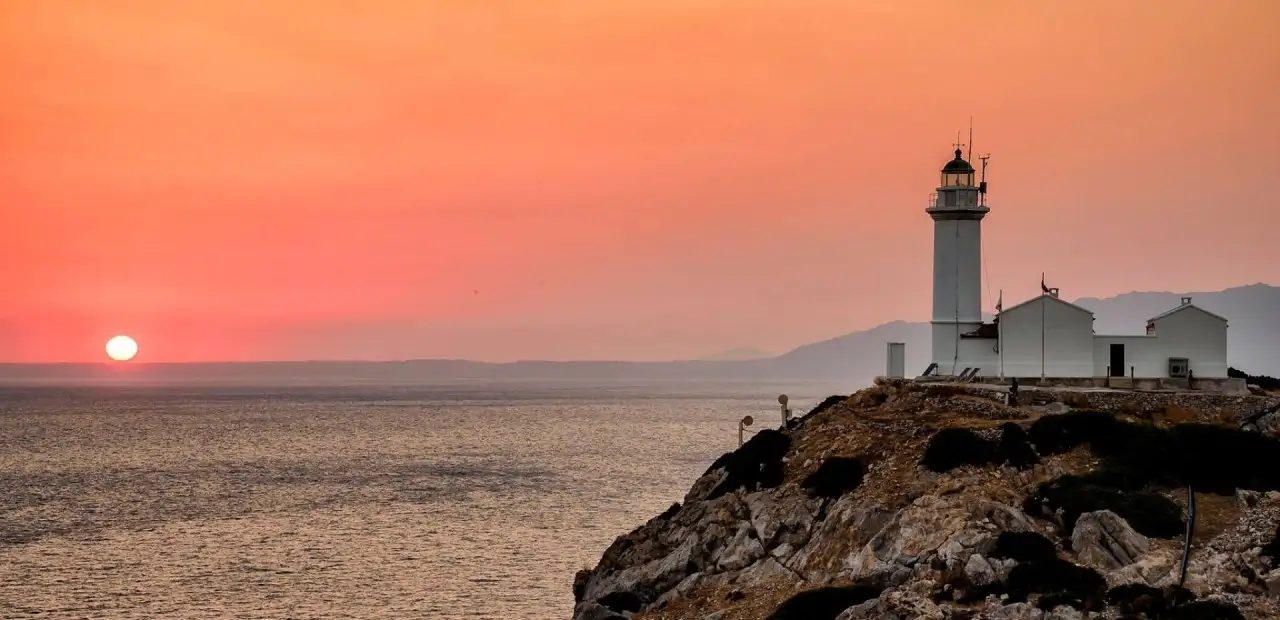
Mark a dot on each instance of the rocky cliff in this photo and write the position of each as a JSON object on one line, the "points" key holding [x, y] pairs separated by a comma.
{"points": [[941, 502]]}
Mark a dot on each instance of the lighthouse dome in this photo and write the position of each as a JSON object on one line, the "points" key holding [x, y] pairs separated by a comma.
{"points": [[958, 164]]}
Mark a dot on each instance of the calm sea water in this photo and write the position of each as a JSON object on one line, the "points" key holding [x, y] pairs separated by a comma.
{"points": [[475, 502]]}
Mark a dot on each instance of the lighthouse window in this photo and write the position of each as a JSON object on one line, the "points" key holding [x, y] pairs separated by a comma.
{"points": [[950, 198]]}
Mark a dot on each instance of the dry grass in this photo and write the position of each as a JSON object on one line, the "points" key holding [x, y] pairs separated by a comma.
{"points": [[1075, 400], [759, 602], [1175, 415], [1215, 514]]}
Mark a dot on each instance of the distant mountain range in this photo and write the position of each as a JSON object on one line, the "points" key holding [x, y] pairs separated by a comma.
{"points": [[853, 359], [738, 355]]}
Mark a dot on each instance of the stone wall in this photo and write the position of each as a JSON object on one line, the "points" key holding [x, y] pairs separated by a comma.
{"points": [[1200, 404], [1207, 405], [1224, 385]]}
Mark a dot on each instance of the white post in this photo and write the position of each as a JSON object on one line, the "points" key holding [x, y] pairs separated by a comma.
{"points": [[1042, 304], [1000, 344], [782, 400]]}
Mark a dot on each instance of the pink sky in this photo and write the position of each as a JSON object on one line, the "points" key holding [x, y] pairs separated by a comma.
{"points": [[632, 179]]}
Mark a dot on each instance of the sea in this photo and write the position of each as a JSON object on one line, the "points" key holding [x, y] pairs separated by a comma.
{"points": [[473, 500]]}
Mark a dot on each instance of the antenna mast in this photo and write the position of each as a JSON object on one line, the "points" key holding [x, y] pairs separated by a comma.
{"points": [[970, 157], [982, 183]]}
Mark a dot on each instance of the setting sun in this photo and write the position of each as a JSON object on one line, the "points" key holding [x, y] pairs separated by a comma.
{"points": [[122, 348]]}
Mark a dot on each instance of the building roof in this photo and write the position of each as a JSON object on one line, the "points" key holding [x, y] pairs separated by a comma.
{"points": [[958, 164], [1184, 307], [1047, 296], [985, 330]]}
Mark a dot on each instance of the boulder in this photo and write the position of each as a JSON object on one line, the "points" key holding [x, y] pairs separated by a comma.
{"points": [[591, 610], [1015, 611], [1104, 541], [934, 531], [1056, 408], [895, 605]]}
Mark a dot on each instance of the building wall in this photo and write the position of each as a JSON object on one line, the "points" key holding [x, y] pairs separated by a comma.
{"points": [[945, 346], [980, 353], [1141, 356], [1197, 336], [1067, 336], [957, 270]]}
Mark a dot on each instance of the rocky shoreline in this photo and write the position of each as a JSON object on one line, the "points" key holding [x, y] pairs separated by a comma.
{"points": [[907, 500]]}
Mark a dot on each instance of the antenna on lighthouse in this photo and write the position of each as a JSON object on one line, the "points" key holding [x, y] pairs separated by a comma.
{"points": [[970, 157], [982, 183]]}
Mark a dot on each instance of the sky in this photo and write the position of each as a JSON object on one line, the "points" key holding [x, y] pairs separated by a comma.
{"points": [[230, 180]]}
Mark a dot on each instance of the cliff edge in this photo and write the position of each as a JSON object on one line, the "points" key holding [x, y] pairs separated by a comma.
{"points": [[908, 500]]}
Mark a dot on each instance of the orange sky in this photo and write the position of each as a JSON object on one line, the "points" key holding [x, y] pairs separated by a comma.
{"points": [[638, 179]]}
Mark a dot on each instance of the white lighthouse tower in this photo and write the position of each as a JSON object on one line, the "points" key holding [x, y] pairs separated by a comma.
{"points": [[957, 211]]}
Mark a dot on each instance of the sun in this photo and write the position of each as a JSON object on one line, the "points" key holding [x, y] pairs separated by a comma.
{"points": [[122, 348]]}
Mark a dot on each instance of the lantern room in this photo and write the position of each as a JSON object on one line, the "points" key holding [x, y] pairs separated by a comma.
{"points": [[957, 172], [958, 189]]}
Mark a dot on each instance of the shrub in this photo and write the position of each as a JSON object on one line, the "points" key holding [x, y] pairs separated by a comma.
{"points": [[755, 465], [1057, 434], [1220, 460], [1140, 598], [1210, 458], [1024, 547], [836, 476], [1262, 381], [950, 448], [1065, 582], [826, 404], [1151, 514], [823, 603], [621, 601], [1272, 549], [943, 391], [1015, 447], [1051, 601], [1137, 598], [1207, 610]]}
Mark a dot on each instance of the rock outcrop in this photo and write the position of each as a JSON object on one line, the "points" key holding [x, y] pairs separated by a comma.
{"points": [[1014, 513]]}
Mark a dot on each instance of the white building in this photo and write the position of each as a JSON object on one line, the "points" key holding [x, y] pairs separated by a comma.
{"points": [[1044, 337]]}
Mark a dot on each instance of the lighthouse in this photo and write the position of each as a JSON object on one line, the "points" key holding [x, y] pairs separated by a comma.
{"points": [[957, 209], [1045, 338]]}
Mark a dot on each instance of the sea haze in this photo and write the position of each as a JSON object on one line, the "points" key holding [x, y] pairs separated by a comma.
{"points": [[449, 501]]}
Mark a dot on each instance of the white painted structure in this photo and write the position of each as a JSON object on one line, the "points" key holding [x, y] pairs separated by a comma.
{"points": [[1044, 336], [957, 261], [896, 360]]}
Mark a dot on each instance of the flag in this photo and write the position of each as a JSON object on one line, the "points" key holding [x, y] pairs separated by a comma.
{"points": [[1000, 302], [1043, 288]]}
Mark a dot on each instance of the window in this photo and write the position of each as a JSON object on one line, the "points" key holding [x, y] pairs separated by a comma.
{"points": [[950, 198], [952, 179]]}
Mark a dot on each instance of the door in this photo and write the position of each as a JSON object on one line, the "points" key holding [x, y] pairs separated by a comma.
{"points": [[1117, 360]]}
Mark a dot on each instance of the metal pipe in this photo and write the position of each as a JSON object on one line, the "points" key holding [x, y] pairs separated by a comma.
{"points": [[1191, 528]]}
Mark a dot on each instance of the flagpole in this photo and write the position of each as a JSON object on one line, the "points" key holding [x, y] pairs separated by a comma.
{"points": [[1000, 332], [1042, 302]]}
